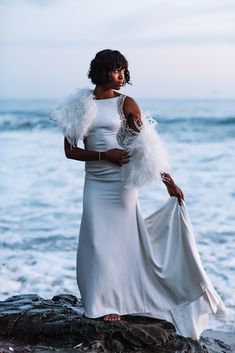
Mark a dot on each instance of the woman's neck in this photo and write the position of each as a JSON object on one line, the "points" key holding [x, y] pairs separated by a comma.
{"points": [[104, 93]]}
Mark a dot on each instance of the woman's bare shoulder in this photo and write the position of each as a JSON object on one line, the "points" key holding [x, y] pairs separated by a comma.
{"points": [[130, 107]]}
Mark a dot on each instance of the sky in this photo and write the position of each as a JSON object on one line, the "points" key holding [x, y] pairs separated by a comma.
{"points": [[175, 48]]}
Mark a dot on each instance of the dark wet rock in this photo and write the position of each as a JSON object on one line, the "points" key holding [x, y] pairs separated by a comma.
{"points": [[29, 323]]}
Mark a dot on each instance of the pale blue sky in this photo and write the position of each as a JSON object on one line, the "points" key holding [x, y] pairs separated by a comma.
{"points": [[175, 48]]}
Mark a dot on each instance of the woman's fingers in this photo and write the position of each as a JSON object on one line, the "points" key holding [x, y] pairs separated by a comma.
{"points": [[117, 156], [167, 179], [174, 190], [124, 152], [167, 182], [124, 157], [126, 160]]}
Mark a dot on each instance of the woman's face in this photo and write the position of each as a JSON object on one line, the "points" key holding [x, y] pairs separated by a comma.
{"points": [[117, 78]]}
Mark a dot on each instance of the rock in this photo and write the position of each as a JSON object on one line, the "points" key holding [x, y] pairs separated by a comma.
{"points": [[60, 323]]}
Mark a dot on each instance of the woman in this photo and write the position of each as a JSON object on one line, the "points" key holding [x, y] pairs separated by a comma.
{"points": [[125, 264]]}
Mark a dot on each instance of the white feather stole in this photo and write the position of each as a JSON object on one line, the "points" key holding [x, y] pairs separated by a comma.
{"points": [[75, 114], [148, 156]]}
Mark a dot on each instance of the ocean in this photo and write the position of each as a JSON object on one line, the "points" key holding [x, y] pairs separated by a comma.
{"points": [[41, 194]]}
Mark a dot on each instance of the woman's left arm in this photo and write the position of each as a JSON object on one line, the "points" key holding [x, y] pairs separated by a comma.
{"points": [[172, 188], [132, 113]]}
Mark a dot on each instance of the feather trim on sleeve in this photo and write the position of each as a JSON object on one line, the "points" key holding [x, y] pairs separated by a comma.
{"points": [[148, 156], [75, 114]]}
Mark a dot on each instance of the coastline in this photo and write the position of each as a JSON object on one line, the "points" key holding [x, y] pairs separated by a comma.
{"points": [[226, 337]]}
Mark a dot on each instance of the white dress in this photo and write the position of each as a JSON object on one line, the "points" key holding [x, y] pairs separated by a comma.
{"points": [[130, 265]]}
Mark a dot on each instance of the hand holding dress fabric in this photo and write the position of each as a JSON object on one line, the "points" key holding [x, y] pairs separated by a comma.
{"points": [[172, 188]]}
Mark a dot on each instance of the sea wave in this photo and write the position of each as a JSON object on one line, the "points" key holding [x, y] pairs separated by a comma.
{"points": [[36, 119], [202, 120], [171, 115]]}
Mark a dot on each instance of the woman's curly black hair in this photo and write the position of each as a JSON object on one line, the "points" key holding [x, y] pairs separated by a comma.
{"points": [[104, 62]]}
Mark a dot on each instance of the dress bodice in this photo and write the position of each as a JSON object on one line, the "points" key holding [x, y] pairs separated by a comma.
{"points": [[102, 137], [102, 133]]}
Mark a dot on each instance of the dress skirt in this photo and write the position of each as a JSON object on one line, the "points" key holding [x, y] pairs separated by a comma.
{"points": [[150, 267]]}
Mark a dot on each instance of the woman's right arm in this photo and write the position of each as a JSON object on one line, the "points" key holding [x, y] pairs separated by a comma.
{"points": [[79, 154], [115, 155]]}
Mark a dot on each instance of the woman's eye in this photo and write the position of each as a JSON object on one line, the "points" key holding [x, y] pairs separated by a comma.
{"points": [[117, 71]]}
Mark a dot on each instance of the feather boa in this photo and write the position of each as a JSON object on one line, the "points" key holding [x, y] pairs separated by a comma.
{"points": [[148, 157], [75, 114]]}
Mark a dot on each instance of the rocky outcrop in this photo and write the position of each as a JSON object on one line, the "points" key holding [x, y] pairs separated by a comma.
{"points": [[60, 323]]}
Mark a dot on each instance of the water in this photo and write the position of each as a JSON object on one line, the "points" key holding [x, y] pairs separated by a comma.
{"points": [[41, 194]]}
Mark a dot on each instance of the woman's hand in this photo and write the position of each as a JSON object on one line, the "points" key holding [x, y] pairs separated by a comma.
{"points": [[172, 188], [116, 155]]}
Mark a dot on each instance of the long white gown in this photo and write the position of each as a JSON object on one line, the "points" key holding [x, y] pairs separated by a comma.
{"points": [[130, 265]]}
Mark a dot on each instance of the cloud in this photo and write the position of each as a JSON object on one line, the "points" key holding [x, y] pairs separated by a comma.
{"points": [[181, 21], [59, 23]]}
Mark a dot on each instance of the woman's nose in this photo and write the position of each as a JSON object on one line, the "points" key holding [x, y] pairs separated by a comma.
{"points": [[121, 75]]}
